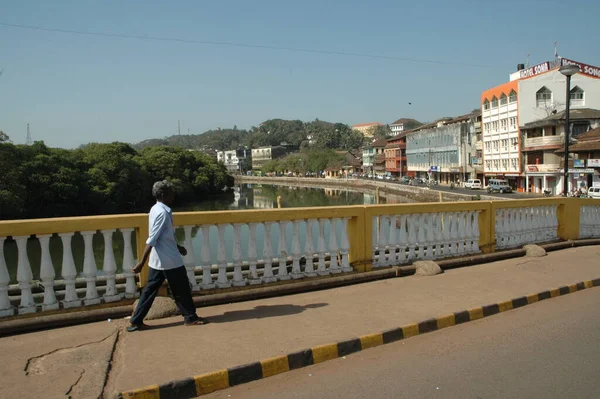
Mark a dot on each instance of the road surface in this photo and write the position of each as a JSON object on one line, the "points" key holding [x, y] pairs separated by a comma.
{"points": [[546, 350]]}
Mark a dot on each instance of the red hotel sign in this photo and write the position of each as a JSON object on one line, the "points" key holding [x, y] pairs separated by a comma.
{"points": [[535, 70], [585, 69]]}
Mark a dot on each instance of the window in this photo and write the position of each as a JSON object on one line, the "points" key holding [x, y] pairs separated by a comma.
{"points": [[514, 142], [513, 163], [494, 102], [503, 99], [576, 94], [543, 97], [512, 97], [486, 105]]}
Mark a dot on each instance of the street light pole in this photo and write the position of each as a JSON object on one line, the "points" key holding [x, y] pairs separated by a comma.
{"points": [[568, 71]]}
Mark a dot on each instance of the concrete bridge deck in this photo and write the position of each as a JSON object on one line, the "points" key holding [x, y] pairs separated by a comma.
{"points": [[100, 359]]}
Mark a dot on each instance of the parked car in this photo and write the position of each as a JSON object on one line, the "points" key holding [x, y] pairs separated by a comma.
{"points": [[473, 184], [405, 180], [594, 192], [499, 186]]}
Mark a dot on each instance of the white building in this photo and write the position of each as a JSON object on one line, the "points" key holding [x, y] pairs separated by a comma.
{"points": [[403, 124], [531, 94], [444, 150]]}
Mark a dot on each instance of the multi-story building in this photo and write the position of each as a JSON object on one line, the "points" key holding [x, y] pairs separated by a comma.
{"points": [[530, 95], [366, 129], [444, 150], [395, 155], [234, 160], [373, 161], [587, 151], [402, 125], [542, 165], [262, 155]]}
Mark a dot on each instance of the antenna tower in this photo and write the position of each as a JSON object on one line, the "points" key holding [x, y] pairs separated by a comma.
{"points": [[29, 141]]}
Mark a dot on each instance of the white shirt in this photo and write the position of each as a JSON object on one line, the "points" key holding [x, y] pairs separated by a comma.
{"points": [[164, 254]]}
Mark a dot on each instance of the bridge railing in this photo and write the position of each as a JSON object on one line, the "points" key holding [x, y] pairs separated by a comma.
{"points": [[49, 265]]}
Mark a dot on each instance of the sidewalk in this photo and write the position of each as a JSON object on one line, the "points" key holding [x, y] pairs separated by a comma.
{"points": [[75, 359]]}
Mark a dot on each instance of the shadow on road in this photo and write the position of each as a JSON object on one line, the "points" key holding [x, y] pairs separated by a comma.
{"points": [[262, 312]]}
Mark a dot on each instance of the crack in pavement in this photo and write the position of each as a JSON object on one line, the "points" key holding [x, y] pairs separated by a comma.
{"points": [[34, 358], [109, 365], [67, 394]]}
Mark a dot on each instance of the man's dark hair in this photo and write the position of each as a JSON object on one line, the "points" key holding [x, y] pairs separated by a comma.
{"points": [[160, 188]]}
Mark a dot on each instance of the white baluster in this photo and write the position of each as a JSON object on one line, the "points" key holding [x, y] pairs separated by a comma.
{"points": [[189, 260], [412, 235], [402, 240], [128, 263], [268, 276], [68, 272], [24, 277], [420, 219], [429, 221], [334, 265], [5, 307], [47, 273], [375, 238], [309, 250], [392, 241], [110, 267], [438, 237], [296, 251], [282, 273], [206, 257], [90, 271], [501, 240], [513, 233], [446, 234], [222, 281], [322, 271], [253, 278], [461, 232], [454, 234], [476, 233], [469, 232], [345, 248], [238, 278], [554, 218]]}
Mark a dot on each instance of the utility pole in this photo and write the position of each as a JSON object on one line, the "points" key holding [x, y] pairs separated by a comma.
{"points": [[178, 128], [28, 141]]}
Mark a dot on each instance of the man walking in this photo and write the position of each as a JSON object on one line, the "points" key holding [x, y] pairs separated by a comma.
{"points": [[165, 262]]}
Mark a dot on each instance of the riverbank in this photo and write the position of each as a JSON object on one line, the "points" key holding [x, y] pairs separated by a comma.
{"points": [[413, 193]]}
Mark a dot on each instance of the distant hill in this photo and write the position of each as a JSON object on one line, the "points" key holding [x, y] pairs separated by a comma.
{"points": [[269, 133]]}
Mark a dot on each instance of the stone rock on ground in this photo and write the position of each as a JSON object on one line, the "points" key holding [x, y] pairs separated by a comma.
{"points": [[534, 251], [427, 268], [161, 308]]}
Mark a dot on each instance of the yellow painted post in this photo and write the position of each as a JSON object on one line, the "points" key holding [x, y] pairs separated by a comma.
{"points": [[487, 228], [359, 253], [279, 201], [441, 197], [377, 195], [569, 218]]}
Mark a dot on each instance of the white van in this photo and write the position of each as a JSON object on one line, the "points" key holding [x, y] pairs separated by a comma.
{"points": [[594, 192], [473, 184]]}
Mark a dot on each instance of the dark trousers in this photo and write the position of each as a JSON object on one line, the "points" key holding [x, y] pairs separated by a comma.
{"points": [[180, 288]]}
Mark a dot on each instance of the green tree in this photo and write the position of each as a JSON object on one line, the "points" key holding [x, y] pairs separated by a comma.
{"points": [[4, 137], [381, 132]]}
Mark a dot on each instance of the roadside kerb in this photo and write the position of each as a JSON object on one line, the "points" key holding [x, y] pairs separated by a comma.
{"points": [[221, 379]]}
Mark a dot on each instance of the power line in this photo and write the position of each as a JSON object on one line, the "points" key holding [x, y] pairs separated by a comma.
{"points": [[244, 45]]}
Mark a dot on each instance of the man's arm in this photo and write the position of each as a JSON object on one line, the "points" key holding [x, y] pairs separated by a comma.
{"points": [[138, 268], [155, 230]]}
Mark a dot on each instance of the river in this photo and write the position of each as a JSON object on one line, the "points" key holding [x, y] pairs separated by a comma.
{"points": [[247, 196]]}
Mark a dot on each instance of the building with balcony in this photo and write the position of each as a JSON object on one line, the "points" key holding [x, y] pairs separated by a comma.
{"points": [[584, 168], [262, 155], [542, 165], [395, 155], [235, 160], [444, 150], [370, 162], [402, 125], [531, 94]]}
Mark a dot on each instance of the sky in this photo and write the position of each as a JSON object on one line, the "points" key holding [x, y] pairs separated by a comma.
{"points": [[436, 55]]}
